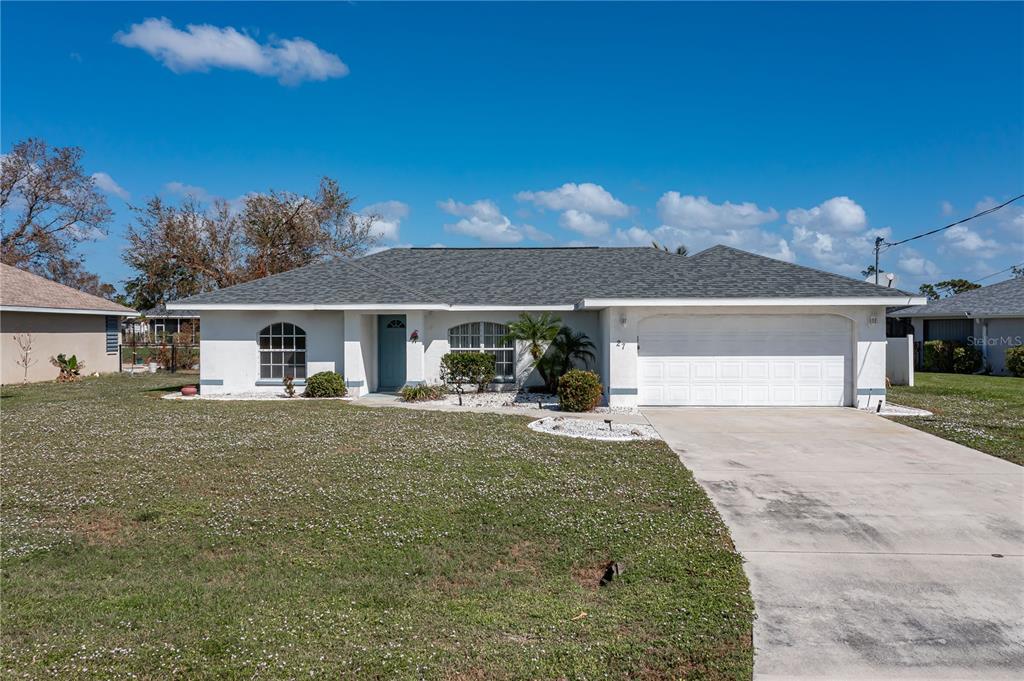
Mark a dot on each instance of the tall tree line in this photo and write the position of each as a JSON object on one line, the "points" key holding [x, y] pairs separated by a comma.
{"points": [[50, 205]]}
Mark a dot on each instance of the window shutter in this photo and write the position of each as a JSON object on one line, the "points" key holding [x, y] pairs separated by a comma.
{"points": [[113, 334]]}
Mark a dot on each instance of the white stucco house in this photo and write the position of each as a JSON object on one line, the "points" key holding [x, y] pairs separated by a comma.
{"points": [[990, 318], [722, 327]]}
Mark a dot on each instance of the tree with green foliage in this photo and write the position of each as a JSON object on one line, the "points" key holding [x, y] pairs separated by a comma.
{"points": [[946, 288]]}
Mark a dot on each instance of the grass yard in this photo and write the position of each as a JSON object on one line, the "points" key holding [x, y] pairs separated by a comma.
{"points": [[149, 538], [983, 412]]}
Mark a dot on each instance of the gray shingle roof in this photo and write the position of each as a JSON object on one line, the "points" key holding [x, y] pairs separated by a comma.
{"points": [[539, 276], [1005, 299]]}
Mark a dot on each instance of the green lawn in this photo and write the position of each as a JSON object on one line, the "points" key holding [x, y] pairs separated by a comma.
{"points": [[149, 538], [983, 412]]}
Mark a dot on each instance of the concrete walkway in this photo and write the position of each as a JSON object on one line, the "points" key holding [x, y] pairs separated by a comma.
{"points": [[869, 545]]}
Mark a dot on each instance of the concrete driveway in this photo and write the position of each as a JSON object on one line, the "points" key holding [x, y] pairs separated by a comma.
{"points": [[869, 545]]}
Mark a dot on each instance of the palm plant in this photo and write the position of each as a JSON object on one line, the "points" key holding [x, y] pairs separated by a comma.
{"points": [[570, 346], [537, 332]]}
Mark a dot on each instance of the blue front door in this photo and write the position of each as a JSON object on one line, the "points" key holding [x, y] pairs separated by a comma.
{"points": [[391, 351]]}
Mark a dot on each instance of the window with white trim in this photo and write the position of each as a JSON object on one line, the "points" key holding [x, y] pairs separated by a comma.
{"points": [[282, 352], [486, 337]]}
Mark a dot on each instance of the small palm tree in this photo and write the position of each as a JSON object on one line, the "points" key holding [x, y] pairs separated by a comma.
{"points": [[680, 249], [571, 346], [536, 332]]}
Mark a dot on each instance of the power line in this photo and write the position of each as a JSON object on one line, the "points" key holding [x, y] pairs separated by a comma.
{"points": [[989, 276], [954, 224], [881, 243]]}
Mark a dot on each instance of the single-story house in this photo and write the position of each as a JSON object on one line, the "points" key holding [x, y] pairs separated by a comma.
{"points": [[990, 318], [160, 325], [722, 327], [40, 319]]}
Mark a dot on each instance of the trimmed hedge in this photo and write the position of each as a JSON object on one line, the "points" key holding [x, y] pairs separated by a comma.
{"points": [[951, 357], [579, 390], [325, 384], [1015, 360]]}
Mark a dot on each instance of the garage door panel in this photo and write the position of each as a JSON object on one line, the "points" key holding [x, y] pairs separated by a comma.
{"points": [[745, 360]]}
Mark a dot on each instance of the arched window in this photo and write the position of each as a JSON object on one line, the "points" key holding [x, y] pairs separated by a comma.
{"points": [[486, 337], [282, 351]]}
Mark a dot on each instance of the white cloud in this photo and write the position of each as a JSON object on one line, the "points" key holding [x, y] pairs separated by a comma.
{"points": [[182, 189], [389, 216], [838, 215], [634, 236], [963, 240], [481, 220], [585, 197], [946, 207], [535, 234], [107, 184], [915, 264], [698, 212], [583, 223], [835, 234], [201, 47]]}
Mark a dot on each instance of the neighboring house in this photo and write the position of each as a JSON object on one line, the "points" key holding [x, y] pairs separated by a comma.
{"points": [[722, 327], [57, 320], [990, 318], [160, 325]]}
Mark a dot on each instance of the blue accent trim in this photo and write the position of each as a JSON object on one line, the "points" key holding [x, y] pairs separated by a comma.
{"points": [[355, 384], [211, 381], [278, 381], [624, 391], [870, 391]]}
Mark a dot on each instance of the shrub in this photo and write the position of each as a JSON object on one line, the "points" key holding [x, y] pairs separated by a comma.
{"points": [[459, 369], [966, 359], [579, 390], [938, 356], [325, 384], [289, 386], [70, 369], [1015, 360], [423, 393]]}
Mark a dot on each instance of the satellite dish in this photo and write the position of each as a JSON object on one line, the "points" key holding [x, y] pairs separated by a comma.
{"points": [[884, 279]]}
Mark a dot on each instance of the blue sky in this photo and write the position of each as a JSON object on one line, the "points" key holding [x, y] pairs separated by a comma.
{"points": [[798, 131]]}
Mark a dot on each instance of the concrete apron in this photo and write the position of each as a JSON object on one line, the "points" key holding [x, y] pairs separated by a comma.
{"points": [[868, 544]]}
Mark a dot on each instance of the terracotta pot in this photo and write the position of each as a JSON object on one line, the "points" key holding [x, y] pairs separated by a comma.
{"points": [[189, 391]]}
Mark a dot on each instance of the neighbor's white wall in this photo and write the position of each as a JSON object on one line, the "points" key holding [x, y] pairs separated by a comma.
{"points": [[899, 360], [434, 336], [229, 350], [867, 345]]}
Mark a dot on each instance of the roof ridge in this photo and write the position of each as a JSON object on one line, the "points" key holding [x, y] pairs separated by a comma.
{"points": [[796, 264]]}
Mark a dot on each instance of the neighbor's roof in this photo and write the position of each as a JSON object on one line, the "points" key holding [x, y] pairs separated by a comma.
{"points": [[1005, 299], [539, 277], [162, 311], [27, 292]]}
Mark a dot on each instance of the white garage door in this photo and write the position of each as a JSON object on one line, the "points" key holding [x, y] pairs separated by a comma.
{"points": [[745, 360]]}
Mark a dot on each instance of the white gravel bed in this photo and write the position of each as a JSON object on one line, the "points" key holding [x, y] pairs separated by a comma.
{"points": [[523, 400], [251, 396], [890, 409], [594, 430]]}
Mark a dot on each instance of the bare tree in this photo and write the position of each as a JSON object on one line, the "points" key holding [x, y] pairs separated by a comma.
{"points": [[48, 203], [182, 250], [25, 360]]}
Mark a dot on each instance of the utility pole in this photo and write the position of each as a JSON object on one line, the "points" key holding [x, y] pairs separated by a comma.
{"points": [[878, 246]]}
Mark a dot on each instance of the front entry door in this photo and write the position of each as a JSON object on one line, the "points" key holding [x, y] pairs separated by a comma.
{"points": [[391, 351]]}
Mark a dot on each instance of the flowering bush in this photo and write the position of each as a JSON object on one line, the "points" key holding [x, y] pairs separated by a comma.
{"points": [[579, 390]]}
